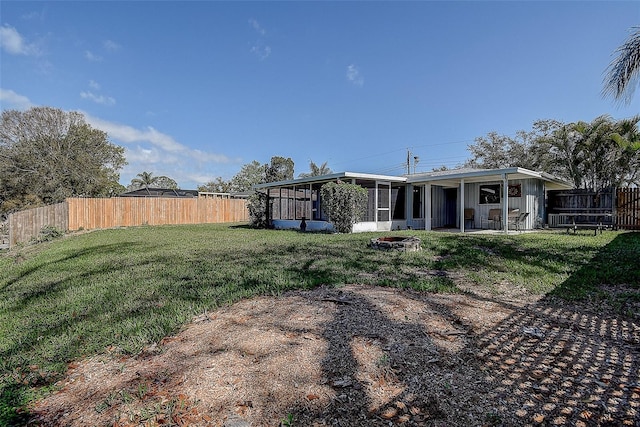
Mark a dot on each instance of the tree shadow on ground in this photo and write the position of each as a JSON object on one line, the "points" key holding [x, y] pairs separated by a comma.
{"points": [[387, 367], [552, 362]]}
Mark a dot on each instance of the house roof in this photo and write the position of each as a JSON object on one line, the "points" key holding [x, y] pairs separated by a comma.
{"points": [[332, 177], [451, 178], [446, 178]]}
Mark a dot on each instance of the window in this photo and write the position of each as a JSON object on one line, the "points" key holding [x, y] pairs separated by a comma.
{"points": [[398, 202], [418, 211], [489, 194]]}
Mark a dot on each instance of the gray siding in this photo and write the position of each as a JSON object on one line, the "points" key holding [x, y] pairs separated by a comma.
{"points": [[531, 200]]}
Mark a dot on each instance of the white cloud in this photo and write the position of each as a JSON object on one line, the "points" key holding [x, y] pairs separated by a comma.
{"points": [[256, 26], [354, 75], [201, 178], [94, 85], [12, 42], [14, 100], [111, 46], [143, 155], [90, 56], [33, 16], [163, 148], [98, 99], [259, 48]]}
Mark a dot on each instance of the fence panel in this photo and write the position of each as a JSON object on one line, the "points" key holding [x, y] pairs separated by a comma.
{"points": [[89, 214], [578, 205], [628, 208], [132, 211], [26, 225], [4, 234], [580, 201]]}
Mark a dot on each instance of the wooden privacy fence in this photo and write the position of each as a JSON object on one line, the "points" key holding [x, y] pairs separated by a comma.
{"points": [[628, 208], [621, 204], [85, 213], [131, 211], [26, 225]]}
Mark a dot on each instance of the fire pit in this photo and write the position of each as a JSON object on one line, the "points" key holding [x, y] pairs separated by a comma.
{"points": [[404, 244]]}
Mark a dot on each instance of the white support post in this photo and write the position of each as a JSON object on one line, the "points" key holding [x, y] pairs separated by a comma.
{"points": [[505, 203], [462, 205], [375, 210], [427, 207], [310, 203], [408, 205]]}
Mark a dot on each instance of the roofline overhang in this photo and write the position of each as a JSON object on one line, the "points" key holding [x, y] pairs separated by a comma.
{"points": [[331, 177], [489, 174], [469, 176]]}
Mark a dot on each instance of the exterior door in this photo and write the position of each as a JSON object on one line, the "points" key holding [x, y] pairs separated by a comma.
{"points": [[450, 207]]}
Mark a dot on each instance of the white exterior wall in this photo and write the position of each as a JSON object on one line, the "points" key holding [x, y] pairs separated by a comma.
{"points": [[294, 224]]}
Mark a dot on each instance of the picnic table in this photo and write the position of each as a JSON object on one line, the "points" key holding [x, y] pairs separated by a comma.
{"points": [[584, 220]]}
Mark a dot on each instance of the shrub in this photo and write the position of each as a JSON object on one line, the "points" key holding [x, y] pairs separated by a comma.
{"points": [[257, 205], [343, 204], [48, 233]]}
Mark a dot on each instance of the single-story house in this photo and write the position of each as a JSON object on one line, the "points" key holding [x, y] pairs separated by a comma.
{"points": [[459, 198]]}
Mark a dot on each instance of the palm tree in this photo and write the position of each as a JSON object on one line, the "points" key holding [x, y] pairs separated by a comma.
{"points": [[316, 170], [623, 72], [144, 180]]}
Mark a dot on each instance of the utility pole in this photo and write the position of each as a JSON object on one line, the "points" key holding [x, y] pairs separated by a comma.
{"points": [[416, 159]]}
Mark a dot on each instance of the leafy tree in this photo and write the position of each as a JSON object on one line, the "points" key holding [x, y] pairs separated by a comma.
{"points": [[315, 170], [146, 179], [280, 169], [343, 204], [558, 146], [218, 185], [496, 151], [250, 174], [623, 72], [166, 182], [47, 155], [592, 155]]}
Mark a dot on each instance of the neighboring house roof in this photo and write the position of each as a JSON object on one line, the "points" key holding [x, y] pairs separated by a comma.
{"points": [[446, 178], [160, 192]]}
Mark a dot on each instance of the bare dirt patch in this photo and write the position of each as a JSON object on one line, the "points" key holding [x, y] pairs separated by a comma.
{"points": [[363, 356]]}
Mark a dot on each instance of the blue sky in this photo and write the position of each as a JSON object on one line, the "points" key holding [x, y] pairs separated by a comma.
{"points": [[194, 90]]}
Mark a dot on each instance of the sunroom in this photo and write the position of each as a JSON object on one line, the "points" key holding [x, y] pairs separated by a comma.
{"points": [[289, 202]]}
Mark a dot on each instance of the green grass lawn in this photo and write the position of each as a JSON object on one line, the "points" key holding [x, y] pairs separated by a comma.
{"points": [[127, 288]]}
